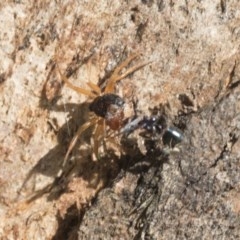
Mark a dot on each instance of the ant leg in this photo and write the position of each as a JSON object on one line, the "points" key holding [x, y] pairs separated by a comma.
{"points": [[80, 130], [75, 88], [116, 76]]}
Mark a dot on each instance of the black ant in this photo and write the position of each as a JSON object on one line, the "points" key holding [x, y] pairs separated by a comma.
{"points": [[154, 127]]}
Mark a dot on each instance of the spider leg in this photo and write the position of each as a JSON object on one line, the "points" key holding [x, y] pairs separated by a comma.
{"points": [[116, 76], [94, 87], [114, 143], [75, 88], [80, 130], [98, 136]]}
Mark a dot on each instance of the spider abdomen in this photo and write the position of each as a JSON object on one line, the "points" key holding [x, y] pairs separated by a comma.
{"points": [[110, 107]]}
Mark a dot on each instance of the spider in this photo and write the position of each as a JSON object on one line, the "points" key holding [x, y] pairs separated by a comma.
{"points": [[107, 106]]}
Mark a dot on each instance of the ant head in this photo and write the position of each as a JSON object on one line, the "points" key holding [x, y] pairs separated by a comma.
{"points": [[155, 124]]}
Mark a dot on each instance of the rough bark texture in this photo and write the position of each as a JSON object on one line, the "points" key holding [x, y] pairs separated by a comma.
{"points": [[194, 71]]}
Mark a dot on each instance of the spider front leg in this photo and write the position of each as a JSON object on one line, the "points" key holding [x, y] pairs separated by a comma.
{"points": [[80, 130], [116, 76], [95, 90]]}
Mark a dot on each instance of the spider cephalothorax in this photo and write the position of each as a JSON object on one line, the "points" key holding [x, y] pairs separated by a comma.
{"points": [[107, 106]]}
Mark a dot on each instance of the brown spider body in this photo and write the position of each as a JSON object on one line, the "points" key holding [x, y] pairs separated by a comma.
{"points": [[107, 106], [110, 107]]}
